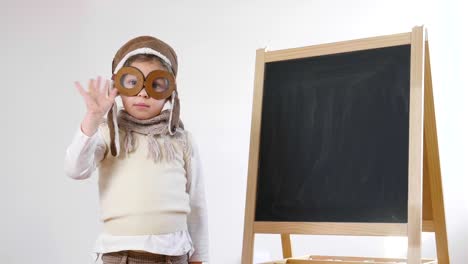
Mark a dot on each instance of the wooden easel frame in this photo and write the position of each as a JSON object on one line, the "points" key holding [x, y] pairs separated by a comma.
{"points": [[425, 197], [344, 260]]}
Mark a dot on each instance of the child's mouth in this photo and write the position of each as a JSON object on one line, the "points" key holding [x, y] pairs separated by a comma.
{"points": [[141, 105]]}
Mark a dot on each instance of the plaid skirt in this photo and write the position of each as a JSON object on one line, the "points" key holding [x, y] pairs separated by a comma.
{"points": [[134, 257]]}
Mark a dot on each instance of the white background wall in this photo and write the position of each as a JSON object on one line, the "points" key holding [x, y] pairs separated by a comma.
{"points": [[48, 44]]}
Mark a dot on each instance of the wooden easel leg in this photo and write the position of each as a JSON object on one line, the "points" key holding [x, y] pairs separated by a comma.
{"points": [[249, 217], [415, 166], [286, 245], [248, 247], [433, 165]]}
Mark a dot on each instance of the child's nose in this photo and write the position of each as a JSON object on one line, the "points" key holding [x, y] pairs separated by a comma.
{"points": [[143, 93]]}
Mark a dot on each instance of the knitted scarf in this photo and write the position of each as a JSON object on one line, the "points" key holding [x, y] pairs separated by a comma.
{"points": [[153, 128]]}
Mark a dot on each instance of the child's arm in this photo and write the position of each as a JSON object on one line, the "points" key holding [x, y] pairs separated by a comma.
{"points": [[83, 155], [198, 217], [87, 147]]}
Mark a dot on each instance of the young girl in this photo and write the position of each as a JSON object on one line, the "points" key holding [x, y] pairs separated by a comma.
{"points": [[150, 187]]}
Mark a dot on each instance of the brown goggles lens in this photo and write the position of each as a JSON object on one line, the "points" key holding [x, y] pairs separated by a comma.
{"points": [[158, 84]]}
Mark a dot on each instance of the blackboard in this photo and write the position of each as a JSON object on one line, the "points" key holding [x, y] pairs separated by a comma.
{"points": [[334, 138]]}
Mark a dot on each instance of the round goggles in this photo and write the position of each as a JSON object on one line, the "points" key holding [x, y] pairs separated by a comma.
{"points": [[158, 84]]}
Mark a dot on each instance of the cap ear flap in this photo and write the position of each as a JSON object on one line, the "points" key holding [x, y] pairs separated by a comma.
{"points": [[175, 112], [113, 130]]}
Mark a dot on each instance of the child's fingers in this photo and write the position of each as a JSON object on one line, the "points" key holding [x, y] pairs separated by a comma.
{"points": [[105, 90], [113, 93], [80, 89], [98, 84], [86, 96], [91, 88]]}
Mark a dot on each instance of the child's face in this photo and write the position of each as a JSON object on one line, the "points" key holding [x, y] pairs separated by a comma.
{"points": [[151, 107]]}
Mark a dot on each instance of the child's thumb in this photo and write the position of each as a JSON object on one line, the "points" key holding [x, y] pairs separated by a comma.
{"points": [[114, 92]]}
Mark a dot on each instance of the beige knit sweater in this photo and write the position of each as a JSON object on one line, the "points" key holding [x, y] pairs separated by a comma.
{"points": [[139, 196]]}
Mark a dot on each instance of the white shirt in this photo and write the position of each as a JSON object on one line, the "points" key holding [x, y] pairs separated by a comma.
{"points": [[81, 160]]}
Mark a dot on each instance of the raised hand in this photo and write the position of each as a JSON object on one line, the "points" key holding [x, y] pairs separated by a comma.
{"points": [[98, 101]]}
